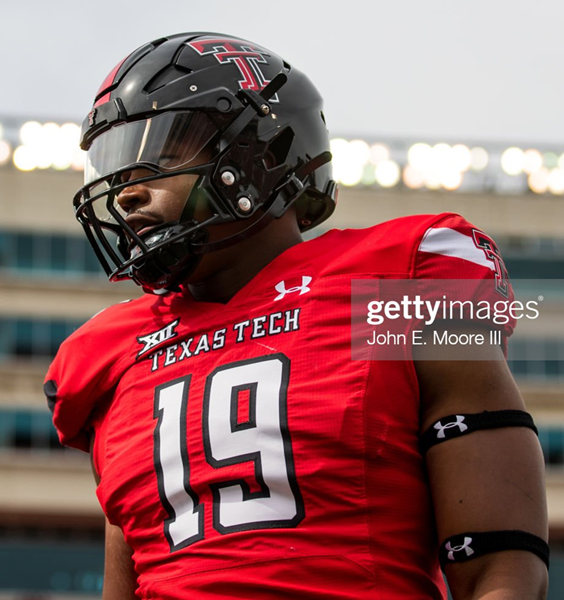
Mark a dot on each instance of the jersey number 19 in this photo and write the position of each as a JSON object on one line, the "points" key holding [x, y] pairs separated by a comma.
{"points": [[262, 438]]}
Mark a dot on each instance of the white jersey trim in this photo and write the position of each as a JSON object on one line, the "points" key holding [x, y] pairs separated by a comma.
{"points": [[449, 242]]}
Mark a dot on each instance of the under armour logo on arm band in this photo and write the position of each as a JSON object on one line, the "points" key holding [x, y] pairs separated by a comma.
{"points": [[466, 546], [454, 426]]}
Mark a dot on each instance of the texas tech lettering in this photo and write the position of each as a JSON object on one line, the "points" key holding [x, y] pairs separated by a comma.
{"points": [[268, 325]]}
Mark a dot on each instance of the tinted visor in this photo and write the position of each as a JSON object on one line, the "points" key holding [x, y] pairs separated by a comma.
{"points": [[169, 141]]}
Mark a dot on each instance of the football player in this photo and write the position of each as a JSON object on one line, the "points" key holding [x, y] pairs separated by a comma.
{"points": [[240, 449]]}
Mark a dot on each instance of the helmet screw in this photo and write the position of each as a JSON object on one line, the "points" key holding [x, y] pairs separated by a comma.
{"points": [[193, 88], [228, 178], [244, 204], [265, 109]]}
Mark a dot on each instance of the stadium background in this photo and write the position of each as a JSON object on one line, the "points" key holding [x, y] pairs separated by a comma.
{"points": [[506, 179]]}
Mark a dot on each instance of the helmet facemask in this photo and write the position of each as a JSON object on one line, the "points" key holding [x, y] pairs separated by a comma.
{"points": [[233, 184], [158, 147]]}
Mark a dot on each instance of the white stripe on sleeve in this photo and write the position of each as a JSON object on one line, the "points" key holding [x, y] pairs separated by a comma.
{"points": [[449, 242]]}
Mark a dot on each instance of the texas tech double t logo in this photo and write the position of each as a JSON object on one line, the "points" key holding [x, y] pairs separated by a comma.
{"points": [[485, 243], [246, 56]]}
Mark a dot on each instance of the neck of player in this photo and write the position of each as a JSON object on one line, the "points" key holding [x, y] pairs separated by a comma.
{"points": [[221, 274]]}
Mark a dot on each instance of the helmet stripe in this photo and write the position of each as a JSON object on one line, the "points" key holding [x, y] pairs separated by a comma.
{"points": [[107, 83]]}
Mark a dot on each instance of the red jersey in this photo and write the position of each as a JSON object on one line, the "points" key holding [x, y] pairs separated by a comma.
{"points": [[242, 451]]}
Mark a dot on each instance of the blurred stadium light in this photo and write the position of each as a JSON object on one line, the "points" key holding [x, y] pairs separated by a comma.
{"points": [[417, 165]]}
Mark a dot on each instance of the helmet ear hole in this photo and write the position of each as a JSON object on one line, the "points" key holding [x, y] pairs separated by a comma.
{"points": [[277, 151]]}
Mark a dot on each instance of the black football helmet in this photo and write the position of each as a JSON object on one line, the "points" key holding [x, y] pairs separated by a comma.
{"points": [[248, 124]]}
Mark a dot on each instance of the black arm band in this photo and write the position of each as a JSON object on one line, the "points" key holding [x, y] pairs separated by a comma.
{"points": [[466, 546], [454, 426]]}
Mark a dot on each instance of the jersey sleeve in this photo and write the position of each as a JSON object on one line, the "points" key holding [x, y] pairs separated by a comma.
{"points": [[82, 375], [453, 249]]}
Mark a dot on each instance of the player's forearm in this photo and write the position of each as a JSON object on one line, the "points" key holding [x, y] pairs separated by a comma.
{"points": [[520, 590], [499, 576]]}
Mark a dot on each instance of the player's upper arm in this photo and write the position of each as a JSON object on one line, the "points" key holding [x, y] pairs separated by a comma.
{"points": [[488, 480], [92, 462], [119, 574]]}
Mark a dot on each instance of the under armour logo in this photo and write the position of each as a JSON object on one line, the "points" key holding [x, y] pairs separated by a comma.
{"points": [[157, 337], [280, 287], [458, 423], [465, 547]]}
